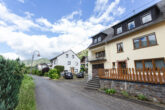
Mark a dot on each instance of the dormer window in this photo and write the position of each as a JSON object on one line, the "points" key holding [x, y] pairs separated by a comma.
{"points": [[99, 39], [95, 40], [131, 25], [119, 30], [146, 18]]}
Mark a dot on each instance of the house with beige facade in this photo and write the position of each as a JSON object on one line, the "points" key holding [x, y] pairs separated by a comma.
{"points": [[137, 42]]}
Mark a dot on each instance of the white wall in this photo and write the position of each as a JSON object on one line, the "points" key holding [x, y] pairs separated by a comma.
{"points": [[62, 60]]}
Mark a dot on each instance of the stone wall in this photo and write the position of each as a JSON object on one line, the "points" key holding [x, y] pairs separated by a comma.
{"points": [[153, 92]]}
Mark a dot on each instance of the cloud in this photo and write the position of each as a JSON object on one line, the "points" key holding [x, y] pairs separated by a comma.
{"points": [[71, 16], [22, 1], [11, 55], [70, 32], [19, 23], [29, 15], [104, 11]]}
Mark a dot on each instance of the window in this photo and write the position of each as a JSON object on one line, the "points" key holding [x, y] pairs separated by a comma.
{"points": [[131, 25], [76, 63], [150, 64], [120, 47], [100, 54], [152, 39], [72, 56], [95, 40], [99, 39], [146, 18], [119, 30], [139, 65], [145, 41], [67, 55], [136, 43], [76, 70], [69, 62], [113, 64]]}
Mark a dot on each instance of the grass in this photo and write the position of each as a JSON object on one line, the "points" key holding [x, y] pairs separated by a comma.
{"points": [[27, 94], [125, 93]]}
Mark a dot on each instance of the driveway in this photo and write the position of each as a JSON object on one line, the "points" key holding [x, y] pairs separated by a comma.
{"points": [[71, 95]]}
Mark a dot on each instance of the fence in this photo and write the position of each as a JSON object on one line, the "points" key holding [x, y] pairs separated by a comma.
{"points": [[135, 75]]}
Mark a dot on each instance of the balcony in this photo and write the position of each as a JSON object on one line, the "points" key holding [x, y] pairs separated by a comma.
{"points": [[94, 59]]}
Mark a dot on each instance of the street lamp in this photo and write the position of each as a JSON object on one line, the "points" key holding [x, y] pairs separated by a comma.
{"points": [[38, 55]]}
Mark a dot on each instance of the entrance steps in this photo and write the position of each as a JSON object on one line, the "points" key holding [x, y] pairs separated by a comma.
{"points": [[94, 83]]}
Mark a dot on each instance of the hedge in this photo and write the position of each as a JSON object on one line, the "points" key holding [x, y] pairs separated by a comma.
{"points": [[10, 81], [59, 68]]}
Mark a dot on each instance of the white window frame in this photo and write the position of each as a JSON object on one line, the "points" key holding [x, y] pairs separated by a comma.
{"points": [[146, 15], [121, 30], [130, 23]]}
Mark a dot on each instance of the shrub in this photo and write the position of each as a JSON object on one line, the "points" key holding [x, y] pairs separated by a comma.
{"points": [[59, 69], [53, 74], [110, 91], [142, 97], [11, 74], [46, 74], [37, 72], [125, 93]]}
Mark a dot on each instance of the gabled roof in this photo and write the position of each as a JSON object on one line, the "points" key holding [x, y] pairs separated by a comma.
{"points": [[112, 37], [62, 54]]}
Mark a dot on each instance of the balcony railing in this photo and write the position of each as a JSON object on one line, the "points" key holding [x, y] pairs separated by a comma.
{"points": [[90, 59]]}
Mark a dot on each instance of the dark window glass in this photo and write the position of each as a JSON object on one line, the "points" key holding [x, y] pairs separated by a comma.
{"points": [[69, 62], [148, 64], [152, 39], [139, 65], [99, 39], [137, 43], [131, 25], [67, 55], [95, 40], [119, 30], [159, 63], [143, 41], [120, 47]]}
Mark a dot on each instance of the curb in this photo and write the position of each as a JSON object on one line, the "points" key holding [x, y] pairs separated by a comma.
{"points": [[147, 104]]}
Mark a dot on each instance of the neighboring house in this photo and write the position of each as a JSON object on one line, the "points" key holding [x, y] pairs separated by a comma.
{"points": [[84, 61], [69, 60], [42, 66], [137, 42]]}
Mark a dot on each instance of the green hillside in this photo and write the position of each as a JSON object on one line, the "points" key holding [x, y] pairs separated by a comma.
{"points": [[35, 62], [83, 53]]}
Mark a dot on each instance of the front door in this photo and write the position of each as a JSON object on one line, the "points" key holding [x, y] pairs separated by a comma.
{"points": [[122, 65], [95, 68], [72, 69]]}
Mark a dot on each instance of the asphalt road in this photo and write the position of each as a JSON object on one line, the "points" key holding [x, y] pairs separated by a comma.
{"points": [[70, 95]]}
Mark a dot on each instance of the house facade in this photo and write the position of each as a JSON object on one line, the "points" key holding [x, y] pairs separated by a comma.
{"points": [[137, 42], [69, 60]]}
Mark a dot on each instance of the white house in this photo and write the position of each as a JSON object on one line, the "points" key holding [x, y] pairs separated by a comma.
{"points": [[69, 60]]}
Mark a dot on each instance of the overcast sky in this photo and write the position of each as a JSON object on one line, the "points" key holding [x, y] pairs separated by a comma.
{"points": [[54, 26]]}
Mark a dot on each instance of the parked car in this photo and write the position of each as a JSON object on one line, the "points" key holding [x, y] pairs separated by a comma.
{"points": [[68, 75], [80, 75]]}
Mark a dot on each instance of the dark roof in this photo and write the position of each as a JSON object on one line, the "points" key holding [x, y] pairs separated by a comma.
{"points": [[112, 37]]}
